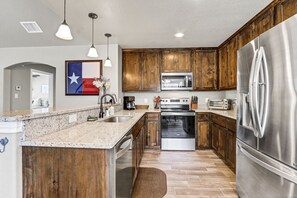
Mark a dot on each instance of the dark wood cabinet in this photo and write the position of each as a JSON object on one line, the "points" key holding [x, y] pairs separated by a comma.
{"points": [[132, 71], [284, 10], [203, 139], [223, 133], [205, 69], [176, 60], [151, 71], [153, 130], [223, 67], [264, 22], [232, 63], [245, 36], [138, 144], [141, 70]]}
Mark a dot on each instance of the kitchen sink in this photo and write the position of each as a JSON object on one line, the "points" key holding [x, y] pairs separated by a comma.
{"points": [[117, 119]]}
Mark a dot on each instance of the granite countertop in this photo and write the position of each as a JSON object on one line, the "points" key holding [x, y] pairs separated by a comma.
{"points": [[226, 113], [97, 134]]}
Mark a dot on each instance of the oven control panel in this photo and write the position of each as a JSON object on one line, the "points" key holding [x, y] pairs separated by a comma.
{"points": [[175, 101]]}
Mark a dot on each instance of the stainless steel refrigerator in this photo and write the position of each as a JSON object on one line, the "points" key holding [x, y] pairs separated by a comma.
{"points": [[266, 150]]}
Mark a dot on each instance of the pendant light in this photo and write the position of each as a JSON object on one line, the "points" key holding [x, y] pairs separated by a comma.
{"points": [[64, 30], [107, 62], [92, 51]]}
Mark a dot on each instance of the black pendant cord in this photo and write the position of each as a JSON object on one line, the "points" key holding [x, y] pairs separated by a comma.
{"points": [[107, 47], [64, 10], [93, 32]]}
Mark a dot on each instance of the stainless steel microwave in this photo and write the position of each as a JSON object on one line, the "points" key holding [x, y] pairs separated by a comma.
{"points": [[176, 81]]}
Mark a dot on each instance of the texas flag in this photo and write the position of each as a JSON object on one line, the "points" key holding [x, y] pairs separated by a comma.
{"points": [[81, 76]]}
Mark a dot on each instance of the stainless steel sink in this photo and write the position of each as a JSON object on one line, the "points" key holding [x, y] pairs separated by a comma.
{"points": [[117, 119]]}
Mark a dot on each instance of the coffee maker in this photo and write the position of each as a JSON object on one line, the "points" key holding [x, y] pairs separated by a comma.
{"points": [[129, 102]]}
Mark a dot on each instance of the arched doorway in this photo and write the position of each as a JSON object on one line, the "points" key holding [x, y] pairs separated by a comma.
{"points": [[29, 85]]}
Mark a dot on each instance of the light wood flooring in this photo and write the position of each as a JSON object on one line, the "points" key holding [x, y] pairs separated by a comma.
{"points": [[192, 174]]}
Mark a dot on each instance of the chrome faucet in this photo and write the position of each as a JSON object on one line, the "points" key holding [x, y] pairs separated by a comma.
{"points": [[101, 113]]}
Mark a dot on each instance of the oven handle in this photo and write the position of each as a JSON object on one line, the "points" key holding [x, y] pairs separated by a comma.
{"points": [[177, 113]]}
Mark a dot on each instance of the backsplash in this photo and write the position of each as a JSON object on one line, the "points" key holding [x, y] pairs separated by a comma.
{"points": [[147, 98]]}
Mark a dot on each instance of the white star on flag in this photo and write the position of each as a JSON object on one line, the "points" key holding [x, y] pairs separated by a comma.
{"points": [[73, 78]]}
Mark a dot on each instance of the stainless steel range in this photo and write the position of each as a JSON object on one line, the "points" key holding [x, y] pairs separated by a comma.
{"points": [[177, 124]]}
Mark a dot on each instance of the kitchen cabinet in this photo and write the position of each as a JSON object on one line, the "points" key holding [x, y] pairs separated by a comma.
{"points": [[203, 138], [232, 63], [131, 71], [228, 65], [205, 70], [138, 132], [246, 35], [176, 60], [141, 70], [264, 22], [284, 10], [223, 67], [153, 130], [65, 172], [223, 133]]}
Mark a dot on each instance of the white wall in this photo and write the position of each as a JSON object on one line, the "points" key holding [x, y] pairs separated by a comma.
{"points": [[56, 56]]}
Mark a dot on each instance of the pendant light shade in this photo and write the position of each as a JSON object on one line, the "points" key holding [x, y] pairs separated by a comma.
{"points": [[92, 51], [64, 30], [107, 62]]}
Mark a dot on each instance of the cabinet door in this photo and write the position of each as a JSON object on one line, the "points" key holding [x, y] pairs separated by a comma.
{"points": [[203, 135], [231, 149], [289, 8], [223, 68], [131, 71], [246, 35], [205, 70], [177, 60], [222, 142], [264, 22], [232, 63], [151, 71], [134, 159], [153, 133], [215, 136]]}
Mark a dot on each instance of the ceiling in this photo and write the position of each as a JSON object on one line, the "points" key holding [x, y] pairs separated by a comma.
{"points": [[133, 23]]}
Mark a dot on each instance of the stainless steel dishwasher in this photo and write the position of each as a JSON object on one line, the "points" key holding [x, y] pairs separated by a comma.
{"points": [[123, 168]]}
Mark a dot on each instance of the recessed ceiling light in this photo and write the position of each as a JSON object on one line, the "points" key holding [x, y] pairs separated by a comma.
{"points": [[31, 26], [179, 35]]}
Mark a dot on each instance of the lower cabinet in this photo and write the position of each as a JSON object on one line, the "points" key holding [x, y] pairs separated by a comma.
{"points": [[153, 130], [139, 139], [217, 133], [203, 139]]}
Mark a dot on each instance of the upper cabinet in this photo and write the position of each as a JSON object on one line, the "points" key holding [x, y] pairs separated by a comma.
{"points": [[205, 69], [141, 70], [285, 9], [232, 63], [264, 22], [176, 60], [223, 67], [132, 71]]}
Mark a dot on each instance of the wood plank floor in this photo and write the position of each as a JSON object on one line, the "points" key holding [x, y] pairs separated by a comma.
{"points": [[192, 174]]}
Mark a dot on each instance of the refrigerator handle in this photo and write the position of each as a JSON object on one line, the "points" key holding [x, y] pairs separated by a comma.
{"points": [[260, 114], [273, 169], [251, 98]]}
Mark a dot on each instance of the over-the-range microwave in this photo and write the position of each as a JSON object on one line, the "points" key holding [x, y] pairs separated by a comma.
{"points": [[176, 81]]}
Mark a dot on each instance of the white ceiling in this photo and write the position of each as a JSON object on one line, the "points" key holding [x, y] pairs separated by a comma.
{"points": [[133, 23]]}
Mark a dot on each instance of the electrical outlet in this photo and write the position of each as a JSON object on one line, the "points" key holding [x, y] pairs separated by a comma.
{"points": [[72, 118]]}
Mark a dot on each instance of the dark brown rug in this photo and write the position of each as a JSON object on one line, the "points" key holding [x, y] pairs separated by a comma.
{"points": [[150, 183]]}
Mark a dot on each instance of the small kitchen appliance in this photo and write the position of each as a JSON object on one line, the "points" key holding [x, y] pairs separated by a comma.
{"points": [[220, 104], [129, 102], [176, 81]]}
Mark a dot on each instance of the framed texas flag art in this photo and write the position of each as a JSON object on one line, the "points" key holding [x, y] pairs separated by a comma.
{"points": [[79, 76]]}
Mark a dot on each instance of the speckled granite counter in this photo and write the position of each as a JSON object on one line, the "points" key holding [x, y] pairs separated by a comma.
{"points": [[97, 134], [229, 114]]}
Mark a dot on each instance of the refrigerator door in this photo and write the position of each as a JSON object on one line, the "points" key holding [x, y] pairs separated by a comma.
{"points": [[246, 59], [279, 131], [258, 175]]}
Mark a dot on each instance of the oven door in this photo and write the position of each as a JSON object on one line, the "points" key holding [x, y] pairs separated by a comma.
{"points": [[178, 130]]}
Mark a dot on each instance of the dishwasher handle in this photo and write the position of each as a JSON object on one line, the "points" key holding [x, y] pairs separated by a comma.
{"points": [[120, 152]]}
